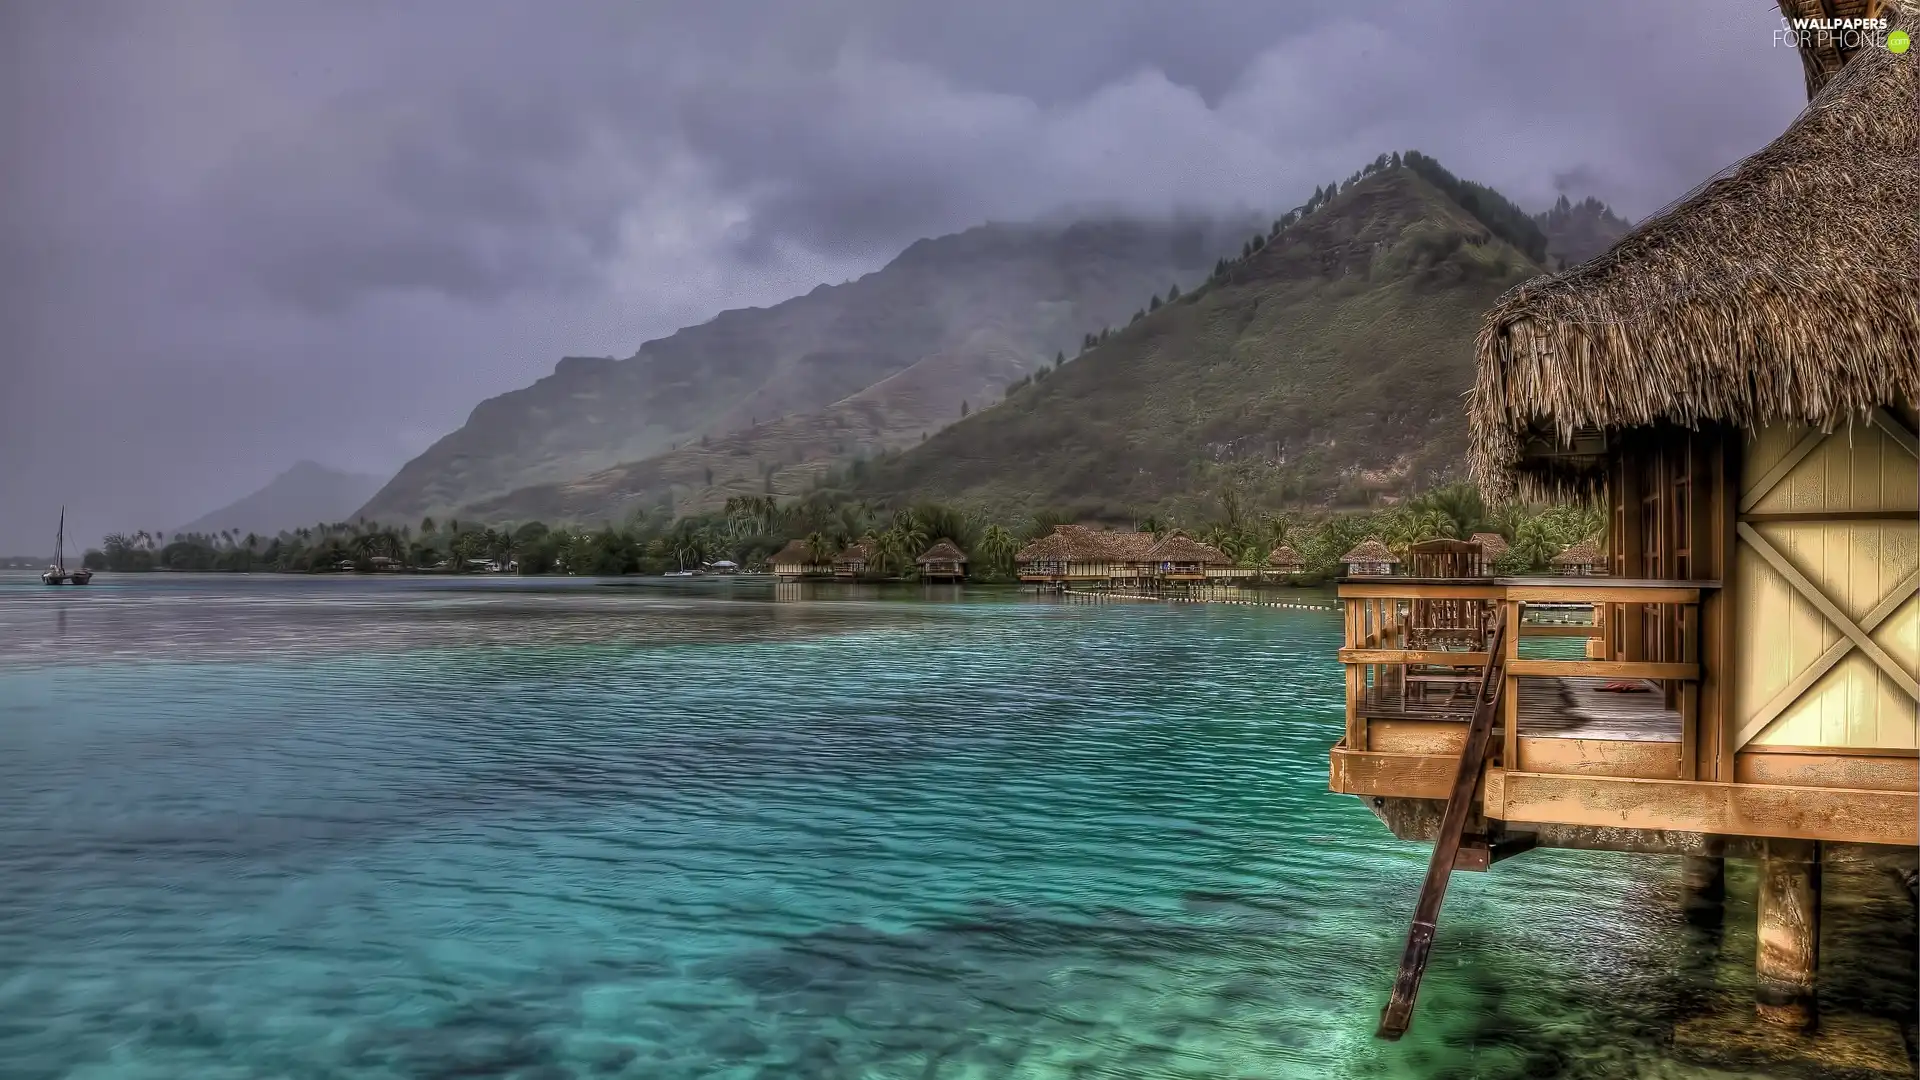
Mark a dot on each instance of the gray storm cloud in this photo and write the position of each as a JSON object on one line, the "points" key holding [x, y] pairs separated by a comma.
{"points": [[235, 235]]}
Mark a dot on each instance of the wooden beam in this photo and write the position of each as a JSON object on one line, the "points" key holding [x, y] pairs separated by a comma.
{"points": [[1815, 769], [1479, 855], [1830, 515], [1386, 588], [1561, 630], [1884, 419], [1850, 815], [1833, 614], [1580, 590], [1772, 477], [1825, 662], [1642, 758], [1606, 669], [1442, 737], [1413, 656], [1413, 776]]}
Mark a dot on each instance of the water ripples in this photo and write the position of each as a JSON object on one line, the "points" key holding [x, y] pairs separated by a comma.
{"points": [[398, 829]]}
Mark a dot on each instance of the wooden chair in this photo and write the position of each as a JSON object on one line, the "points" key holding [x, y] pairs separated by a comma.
{"points": [[1446, 625]]}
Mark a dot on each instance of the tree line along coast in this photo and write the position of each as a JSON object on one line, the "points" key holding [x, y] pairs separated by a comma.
{"points": [[750, 530]]}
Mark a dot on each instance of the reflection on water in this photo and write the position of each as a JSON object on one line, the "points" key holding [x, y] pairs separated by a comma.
{"points": [[411, 828]]}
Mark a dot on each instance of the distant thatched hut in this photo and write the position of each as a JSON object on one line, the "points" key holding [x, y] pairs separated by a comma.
{"points": [[1044, 561], [1180, 558], [1492, 546], [1078, 554], [1580, 559], [797, 561], [1370, 558], [1284, 560], [944, 561], [852, 562]]}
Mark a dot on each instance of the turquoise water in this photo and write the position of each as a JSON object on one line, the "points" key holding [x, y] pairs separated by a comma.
{"points": [[410, 828]]}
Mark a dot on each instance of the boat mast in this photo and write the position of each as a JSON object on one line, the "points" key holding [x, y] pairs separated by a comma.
{"points": [[60, 542]]}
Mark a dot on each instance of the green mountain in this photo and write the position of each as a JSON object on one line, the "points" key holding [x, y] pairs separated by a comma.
{"points": [[966, 312], [1325, 367], [305, 494]]}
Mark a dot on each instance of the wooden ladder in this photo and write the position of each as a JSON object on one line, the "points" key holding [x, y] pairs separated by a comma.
{"points": [[1398, 1014]]}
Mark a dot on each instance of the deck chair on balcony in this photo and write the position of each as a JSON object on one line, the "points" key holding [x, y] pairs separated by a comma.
{"points": [[1446, 625]]}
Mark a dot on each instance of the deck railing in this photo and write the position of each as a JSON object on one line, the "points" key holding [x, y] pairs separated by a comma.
{"points": [[1413, 645]]}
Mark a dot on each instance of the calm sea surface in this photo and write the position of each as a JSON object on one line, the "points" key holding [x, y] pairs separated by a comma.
{"points": [[290, 827]]}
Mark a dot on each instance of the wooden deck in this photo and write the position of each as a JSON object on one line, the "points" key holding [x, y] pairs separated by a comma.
{"points": [[1569, 707]]}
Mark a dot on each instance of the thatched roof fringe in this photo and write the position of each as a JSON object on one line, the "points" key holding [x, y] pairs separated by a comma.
{"points": [[1787, 289]]}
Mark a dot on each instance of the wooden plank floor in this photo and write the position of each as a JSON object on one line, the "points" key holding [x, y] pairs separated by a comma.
{"points": [[1551, 707]]}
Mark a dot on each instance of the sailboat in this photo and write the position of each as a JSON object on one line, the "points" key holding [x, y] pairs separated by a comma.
{"points": [[57, 574]]}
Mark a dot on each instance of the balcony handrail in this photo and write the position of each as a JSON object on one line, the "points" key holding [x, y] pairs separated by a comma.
{"points": [[1572, 581], [1540, 590]]}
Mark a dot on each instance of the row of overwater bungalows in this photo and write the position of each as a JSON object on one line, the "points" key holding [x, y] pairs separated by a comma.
{"points": [[1079, 555], [799, 561]]}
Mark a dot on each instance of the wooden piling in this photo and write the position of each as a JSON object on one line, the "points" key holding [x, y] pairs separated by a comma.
{"points": [[1703, 889], [1787, 952]]}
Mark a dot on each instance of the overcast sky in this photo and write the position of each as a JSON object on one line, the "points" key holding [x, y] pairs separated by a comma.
{"points": [[235, 235]]}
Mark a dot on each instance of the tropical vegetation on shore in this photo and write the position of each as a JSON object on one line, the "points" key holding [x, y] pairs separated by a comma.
{"points": [[751, 528]]}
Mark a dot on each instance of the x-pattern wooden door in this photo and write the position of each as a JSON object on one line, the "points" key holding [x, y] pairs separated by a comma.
{"points": [[1828, 565]]}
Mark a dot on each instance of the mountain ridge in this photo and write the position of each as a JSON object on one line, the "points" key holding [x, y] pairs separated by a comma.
{"points": [[1038, 286], [1323, 367]]}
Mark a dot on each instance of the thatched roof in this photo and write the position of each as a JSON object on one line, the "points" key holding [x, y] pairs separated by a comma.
{"points": [[1787, 289], [1178, 547], [795, 552], [856, 552], [1370, 550], [1285, 558], [1130, 546], [1584, 553], [943, 550], [1492, 545], [1052, 547]]}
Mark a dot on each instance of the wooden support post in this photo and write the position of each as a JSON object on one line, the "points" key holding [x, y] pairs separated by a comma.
{"points": [[1703, 889], [1787, 949]]}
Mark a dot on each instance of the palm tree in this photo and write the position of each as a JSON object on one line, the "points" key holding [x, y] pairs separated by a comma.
{"points": [[911, 534], [997, 547], [820, 548]]}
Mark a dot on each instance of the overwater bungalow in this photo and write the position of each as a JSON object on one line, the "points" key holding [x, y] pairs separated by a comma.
{"points": [[1370, 558], [852, 560], [1492, 546], [1581, 559], [1179, 559], [944, 561], [1283, 561], [1078, 555], [1044, 561], [797, 561], [1738, 379]]}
